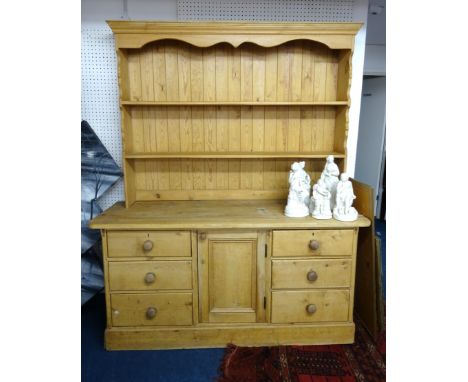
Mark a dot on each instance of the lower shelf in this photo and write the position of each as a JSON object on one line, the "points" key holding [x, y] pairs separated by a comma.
{"points": [[220, 336]]}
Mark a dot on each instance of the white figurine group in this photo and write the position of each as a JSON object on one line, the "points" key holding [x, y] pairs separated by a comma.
{"points": [[331, 197]]}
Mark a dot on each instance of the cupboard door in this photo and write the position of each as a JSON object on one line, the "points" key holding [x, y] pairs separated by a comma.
{"points": [[229, 279]]}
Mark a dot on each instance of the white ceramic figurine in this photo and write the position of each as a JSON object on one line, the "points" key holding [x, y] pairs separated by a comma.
{"points": [[320, 201], [330, 175], [343, 210], [299, 192]]}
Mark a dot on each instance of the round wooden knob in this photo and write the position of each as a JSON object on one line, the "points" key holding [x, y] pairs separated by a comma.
{"points": [[202, 236], [312, 276], [150, 277], [311, 308], [314, 244], [151, 312], [147, 245]]}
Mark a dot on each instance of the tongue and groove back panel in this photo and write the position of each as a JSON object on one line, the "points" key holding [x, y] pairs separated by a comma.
{"points": [[221, 122]]}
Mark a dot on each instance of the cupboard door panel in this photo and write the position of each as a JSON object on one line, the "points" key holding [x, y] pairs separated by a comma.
{"points": [[229, 277]]}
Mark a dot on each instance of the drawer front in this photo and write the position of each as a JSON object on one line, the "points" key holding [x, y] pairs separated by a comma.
{"points": [[150, 275], [317, 273], [326, 305], [148, 243], [170, 308], [313, 243]]}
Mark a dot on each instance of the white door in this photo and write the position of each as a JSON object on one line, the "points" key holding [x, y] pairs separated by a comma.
{"points": [[371, 137]]}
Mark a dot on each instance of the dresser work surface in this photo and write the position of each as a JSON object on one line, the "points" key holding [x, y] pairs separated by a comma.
{"points": [[192, 274], [210, 214]]}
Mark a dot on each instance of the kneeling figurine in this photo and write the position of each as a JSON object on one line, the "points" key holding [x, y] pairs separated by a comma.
{"points": [[320, 201]]}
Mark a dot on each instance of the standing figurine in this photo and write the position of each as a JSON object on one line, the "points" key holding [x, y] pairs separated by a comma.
{"points": [[344, 199], [330, 175], [320, 201], [299, 192]]}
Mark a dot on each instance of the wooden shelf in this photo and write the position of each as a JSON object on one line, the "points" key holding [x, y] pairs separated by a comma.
{"points": [[234, 103], [231, 155]]}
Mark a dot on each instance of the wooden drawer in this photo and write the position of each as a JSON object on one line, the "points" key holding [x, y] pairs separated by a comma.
{"points": [[291, 306], [162, 243], [317, 273], [150, 275], [328, 242], [171, 308]]}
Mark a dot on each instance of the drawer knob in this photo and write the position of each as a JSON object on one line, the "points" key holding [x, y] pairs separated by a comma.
{"points": [[312, 276], [311, 308], [147, 245], [314, 244], [150, 277], [203, 236], [151, 312]]}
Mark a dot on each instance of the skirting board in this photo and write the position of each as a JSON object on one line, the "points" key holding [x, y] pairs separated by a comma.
{"points": [[220, 336]]}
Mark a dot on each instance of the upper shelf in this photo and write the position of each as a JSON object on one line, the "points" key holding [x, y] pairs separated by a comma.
{"points": [[233, 155], [234, 103], [135, 34]]}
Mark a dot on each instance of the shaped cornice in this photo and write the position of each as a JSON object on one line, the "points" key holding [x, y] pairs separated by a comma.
{"points": [[136, 34]]}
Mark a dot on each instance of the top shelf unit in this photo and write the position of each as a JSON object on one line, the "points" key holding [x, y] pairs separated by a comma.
{"points": [[219, 110]]}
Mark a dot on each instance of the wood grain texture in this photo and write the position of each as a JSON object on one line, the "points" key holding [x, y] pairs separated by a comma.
{"points": [[292, 274], [228, 296], [366, 266], [195, 278], [236, 214], [135, 34], [130, 243], [213, 115], [221, 102], [129, 276], [290, 306], [296, 243], [168, 177], [353, 275], [219, 336], [105, 269], [172, 308]]}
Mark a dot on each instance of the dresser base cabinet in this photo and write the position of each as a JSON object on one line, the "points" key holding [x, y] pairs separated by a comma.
{"points": [[195, 278]]}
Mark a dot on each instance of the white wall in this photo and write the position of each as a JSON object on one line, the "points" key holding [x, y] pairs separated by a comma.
{"points": [[371, 133], [95, 13], [371, 137], [360, 15], [374, 63]]}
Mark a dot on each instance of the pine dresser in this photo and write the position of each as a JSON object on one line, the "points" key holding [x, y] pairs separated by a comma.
{"points": [[200, 254]]}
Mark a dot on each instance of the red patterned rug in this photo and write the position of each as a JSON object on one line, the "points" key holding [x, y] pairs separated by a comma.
{"points": [[363, 361]]}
